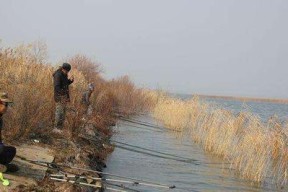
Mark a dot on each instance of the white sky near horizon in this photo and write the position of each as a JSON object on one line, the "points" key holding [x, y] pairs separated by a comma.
{"points": [[215, 47]]}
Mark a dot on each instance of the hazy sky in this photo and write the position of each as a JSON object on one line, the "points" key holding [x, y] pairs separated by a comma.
{"points": [[222, 47]]}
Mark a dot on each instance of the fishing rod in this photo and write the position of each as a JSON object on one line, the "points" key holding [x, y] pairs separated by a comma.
{"points": [[153, 129], [151, 154], [57, 167], [168, 154], [140, 122], [159, 156], [137, 120], [144, 124], [76, 177], [112, 180], [123, 187], [85, 184], [173, 157], [190, 161]]}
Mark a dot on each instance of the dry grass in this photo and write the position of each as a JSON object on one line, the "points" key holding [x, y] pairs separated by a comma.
{"points": [[28, 79], [128, 98], [257, 150]]}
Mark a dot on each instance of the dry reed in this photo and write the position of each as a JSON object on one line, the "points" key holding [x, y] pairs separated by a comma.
{"points": [[27, 78], [257, 150]]}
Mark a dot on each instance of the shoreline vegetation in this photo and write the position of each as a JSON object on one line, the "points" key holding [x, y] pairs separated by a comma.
{"points": [[257, 151], [27, 77], [245, 99]]}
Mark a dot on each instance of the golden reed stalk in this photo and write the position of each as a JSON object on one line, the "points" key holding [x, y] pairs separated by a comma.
{"points": [[255, 149]]}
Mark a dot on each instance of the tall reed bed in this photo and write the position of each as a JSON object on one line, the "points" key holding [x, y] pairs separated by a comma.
{"points": [[27, 77], [257, 150], [29, 84]]}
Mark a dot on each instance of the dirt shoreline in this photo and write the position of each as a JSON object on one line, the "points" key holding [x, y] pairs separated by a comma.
{"points": [[86, 150]]}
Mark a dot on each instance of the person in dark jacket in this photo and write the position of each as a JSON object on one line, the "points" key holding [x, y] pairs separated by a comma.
{"points": [[7, 153], [61, 95]]}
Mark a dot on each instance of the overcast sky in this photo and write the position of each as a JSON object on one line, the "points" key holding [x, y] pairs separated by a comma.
{"points": [[215, 47]]}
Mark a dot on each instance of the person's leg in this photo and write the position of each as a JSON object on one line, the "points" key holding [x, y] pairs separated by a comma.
{"points": [[1, 125], [7, 155], [60, 115], [64, 113]]}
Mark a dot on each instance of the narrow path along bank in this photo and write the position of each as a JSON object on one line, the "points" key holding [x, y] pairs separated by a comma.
{"points": [[203, 173]]}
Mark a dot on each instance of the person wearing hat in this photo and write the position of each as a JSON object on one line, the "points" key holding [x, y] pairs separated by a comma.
{"points": [[7, 153], [86, 98], [61, 95]]}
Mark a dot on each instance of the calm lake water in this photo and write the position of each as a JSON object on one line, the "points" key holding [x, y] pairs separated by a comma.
{"points": [[204, 173]]}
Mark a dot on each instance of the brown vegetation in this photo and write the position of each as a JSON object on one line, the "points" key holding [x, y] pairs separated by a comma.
{"points": [[257, 150], [28, 80]]}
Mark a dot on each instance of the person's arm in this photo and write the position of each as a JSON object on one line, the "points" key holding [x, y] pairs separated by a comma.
{"points": [[71, 80], [57, 83], [1, 124], [1, 143], [87, 98]]}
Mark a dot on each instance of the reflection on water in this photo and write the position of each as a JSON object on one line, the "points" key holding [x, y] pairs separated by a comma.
{"points": [[211, 174]]}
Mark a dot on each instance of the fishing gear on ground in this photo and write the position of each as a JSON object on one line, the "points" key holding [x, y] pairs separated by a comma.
{"points": [[59, 167], [111, 180]]}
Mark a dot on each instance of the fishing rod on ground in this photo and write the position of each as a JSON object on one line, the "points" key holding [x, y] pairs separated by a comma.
{"points": [[123, 187], [85, 184], [110, 180], [58, 168]]}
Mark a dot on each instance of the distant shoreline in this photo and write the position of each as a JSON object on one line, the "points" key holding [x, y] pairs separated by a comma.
{"points": [[244, 99]]}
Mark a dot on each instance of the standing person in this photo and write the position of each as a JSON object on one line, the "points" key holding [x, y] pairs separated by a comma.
{"points": [[7, 153], [61, 95], [86, 99]]}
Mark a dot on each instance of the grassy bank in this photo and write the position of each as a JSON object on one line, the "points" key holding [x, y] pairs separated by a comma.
{"points": [[257, 150], [27, 77]]}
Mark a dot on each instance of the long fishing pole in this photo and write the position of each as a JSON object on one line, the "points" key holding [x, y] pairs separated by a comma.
{"points": [[151, 154], [159, 156], [144, 122], [140, 122], [112, 180], [168, 154], [57, 167], [153, 129], [85, 184], [153, 126], [122, 186]]}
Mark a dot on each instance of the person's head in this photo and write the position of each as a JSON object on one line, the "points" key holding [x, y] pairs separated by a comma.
{"points": [[66, 67], [4, 102], [91, 87]]}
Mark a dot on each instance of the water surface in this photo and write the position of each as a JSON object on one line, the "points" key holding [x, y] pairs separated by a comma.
{"points": [[207, 173]]}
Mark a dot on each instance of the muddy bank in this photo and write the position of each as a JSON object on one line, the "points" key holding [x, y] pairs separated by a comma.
{"points": [[80, 155]]}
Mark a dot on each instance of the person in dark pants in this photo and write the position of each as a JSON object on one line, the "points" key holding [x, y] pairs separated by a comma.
{"points": [[7, 153], [85, 101], [61, 95]]}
